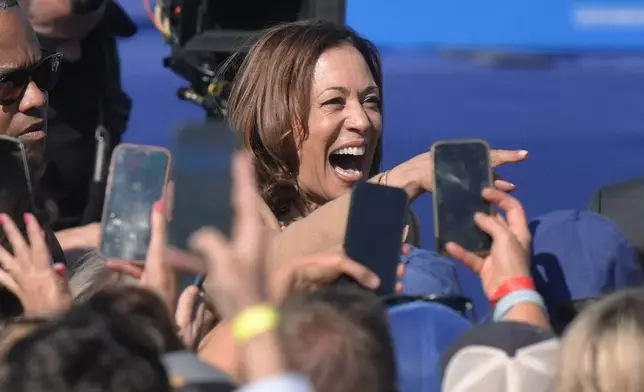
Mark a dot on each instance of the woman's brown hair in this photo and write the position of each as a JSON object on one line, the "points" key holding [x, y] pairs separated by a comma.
{"points": [[270, 99]]}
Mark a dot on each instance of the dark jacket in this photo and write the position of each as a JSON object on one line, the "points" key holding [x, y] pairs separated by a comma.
{"points": [[88, 94]]}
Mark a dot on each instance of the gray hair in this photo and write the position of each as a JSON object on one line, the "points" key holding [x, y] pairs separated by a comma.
{"points": [[88, 274]]}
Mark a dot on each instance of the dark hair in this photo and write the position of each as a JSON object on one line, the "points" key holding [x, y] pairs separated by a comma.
{"points": [[339, 337], [4, 4], [81, 7], [84, 351], [270, 98], [143, 309]]}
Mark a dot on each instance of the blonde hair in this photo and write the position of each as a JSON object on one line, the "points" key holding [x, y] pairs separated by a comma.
{"points": [[603, 350]]}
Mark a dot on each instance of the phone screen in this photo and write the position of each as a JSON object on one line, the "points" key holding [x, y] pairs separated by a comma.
{"points": [[137, 180], [16, 195], [375, 228], [202, 181], [461, 172]]}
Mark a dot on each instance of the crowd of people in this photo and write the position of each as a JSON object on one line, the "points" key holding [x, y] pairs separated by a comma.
{"points": [[307, 101]]}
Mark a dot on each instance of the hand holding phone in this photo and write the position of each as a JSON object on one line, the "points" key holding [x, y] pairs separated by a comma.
{"points": [[137, 179], [461, 172], [375, 230]]}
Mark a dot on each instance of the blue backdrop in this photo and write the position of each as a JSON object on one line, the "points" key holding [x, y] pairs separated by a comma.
{"points": [[502, 24], [581, 119]]}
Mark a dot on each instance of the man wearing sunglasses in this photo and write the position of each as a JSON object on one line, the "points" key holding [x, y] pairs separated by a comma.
{"points": [[25, 77], [88, 109]]}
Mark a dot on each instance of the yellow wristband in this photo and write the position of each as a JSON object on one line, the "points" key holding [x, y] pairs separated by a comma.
{"points": [[254, 321]]}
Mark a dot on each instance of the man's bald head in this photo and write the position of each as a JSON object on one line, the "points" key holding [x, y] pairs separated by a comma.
{"points": [[62, 24]]}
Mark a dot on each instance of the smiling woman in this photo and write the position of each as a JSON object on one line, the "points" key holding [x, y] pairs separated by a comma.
{"points": [[308, 101]]}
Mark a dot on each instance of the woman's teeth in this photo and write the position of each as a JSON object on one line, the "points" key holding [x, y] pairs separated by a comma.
{"points": [[348, 173], [351, 151]]}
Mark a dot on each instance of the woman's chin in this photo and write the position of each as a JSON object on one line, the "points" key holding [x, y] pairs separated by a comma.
{"points": [[339, 183]]}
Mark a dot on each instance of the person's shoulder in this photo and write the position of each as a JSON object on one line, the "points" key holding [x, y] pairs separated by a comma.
{"points": [[117, 21]]}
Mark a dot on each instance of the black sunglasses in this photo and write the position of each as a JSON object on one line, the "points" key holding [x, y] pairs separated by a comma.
{"points": [[13, 84]]}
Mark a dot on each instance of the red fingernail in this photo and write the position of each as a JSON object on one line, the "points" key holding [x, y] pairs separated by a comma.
{"points": [[2, 220], [158, 206], [26, 217], [59, 270]]}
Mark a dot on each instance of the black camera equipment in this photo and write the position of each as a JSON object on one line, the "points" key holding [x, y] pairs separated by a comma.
{"points": [[204, 34]]}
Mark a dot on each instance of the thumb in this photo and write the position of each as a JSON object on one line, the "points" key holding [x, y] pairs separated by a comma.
{"points": [[186, 305]]}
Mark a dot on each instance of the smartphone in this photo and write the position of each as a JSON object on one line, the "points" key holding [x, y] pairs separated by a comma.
{"points": [[202, 180], [137, 179], [16, 193], [461, 171], [375, 229]]}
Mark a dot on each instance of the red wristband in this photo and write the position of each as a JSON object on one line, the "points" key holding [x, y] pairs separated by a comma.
{"points": [[511, 285]]}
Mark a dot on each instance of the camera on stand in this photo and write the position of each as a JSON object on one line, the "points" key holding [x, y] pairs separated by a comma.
{"points": [[204, 34]]}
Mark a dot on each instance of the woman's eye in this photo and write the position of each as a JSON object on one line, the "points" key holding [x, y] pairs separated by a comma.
{"points": [[372, 100], [334, 101]]}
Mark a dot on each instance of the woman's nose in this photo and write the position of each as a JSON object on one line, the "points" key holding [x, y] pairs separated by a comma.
{"points": [[358, 120]]}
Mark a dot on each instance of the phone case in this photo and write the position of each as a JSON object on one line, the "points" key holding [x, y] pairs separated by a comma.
{"points": [[25, 163], [110, 177], [434, 201]]}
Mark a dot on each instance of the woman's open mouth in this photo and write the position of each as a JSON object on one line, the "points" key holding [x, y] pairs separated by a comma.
{"points": [[348, 162]]}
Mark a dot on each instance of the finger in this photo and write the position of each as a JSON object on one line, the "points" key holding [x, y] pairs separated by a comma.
{"points": [[405, 250], [63, 277], [8, 261], [401, 270], [248, 229], [9, 283], [124, 268], [168, 197], [158, 235], [501, 219], [360, 274], [213, 247], [399, 288], [17, 241], [515, 214], [491, 225], [185, 306], [499, 157], [59, 269], [183, 261], [504, 185], [39, 250], [469, 259]]}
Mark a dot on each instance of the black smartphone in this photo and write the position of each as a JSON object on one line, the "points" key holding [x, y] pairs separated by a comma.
{"points": [[137, 179], [202, 181], [375, 229], [16, 194], [461, 172]]}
